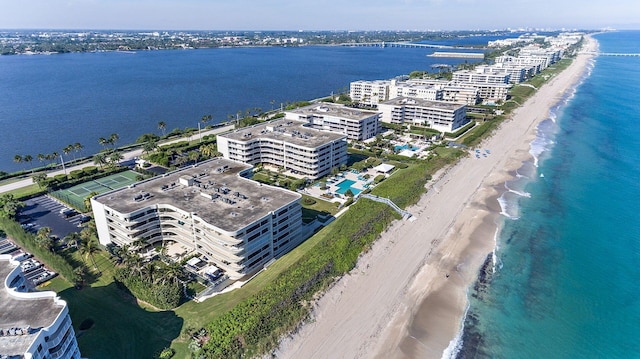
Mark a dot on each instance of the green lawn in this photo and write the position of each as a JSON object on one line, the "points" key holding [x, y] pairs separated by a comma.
{"points": [[122, 328], [125, 329], [26, 191]]}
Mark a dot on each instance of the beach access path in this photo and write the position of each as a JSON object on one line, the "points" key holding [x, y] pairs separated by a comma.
{"points": [[407, 296], [128, 156]]}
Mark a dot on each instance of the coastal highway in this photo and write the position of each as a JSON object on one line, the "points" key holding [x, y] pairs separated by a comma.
{"points": [[128, 155]]}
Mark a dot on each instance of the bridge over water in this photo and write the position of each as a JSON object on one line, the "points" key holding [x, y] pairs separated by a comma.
{"points": [[396, 44], [613, 54]]}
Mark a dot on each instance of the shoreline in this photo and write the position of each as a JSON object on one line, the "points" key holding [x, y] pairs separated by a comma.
{"points": [[407, 296]]}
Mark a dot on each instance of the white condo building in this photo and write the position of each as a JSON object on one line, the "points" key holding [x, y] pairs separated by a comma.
{"points": [[33, 325], [211, 208], [369, 92], [439, 115], [291, 145], [356, 124], [481, 75], [441, 91]]}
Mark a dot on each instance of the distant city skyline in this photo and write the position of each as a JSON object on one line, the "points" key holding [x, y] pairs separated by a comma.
{"points": [[316, 15]]}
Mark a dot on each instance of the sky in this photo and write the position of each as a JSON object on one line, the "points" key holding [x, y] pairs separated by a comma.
{"points": [[318, 14]]}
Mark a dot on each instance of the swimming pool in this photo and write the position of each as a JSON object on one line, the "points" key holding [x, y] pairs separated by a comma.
{"points": [[406, 146], [346, 185]]}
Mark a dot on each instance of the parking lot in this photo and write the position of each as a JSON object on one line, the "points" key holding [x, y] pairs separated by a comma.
{"points": [[33, 271], [43, 211]]}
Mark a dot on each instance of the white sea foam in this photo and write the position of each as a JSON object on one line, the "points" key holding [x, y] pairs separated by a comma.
{"points": [[494, 257], [452, 350], [508, 208], [515, 191], [543, 141]]}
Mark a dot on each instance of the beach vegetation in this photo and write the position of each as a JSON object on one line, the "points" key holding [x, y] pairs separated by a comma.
{"points": [[30, 242]]}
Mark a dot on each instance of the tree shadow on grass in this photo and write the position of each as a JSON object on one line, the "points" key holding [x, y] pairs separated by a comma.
{"points": [[121, 328]]}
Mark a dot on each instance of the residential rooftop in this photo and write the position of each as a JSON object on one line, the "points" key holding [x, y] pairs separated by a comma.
{"points": [[29, 315], [401, 101], [213, 190], [335, 110], [294, 132]]}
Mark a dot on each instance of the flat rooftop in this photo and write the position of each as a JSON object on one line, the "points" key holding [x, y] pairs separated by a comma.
{"points": [[212, 189], [406, 101], [294, 132], [20, 313], [333, 109]]}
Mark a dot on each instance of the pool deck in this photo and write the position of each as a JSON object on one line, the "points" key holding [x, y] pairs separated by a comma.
{"points": [[332, 187]]}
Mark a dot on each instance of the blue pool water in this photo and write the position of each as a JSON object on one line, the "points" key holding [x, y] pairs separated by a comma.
{"points": [[345, 185], [406, 146]]}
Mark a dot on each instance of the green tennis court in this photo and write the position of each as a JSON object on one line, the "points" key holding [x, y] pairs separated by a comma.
{"points": [[76, 195]]}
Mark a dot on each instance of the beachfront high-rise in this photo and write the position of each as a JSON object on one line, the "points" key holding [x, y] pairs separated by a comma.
{"points": [[369, 92], [33, 325], [212, 209], [356, 124], [291, 146], [439, 115]]}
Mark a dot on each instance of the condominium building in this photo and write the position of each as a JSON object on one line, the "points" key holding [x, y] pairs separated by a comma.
{"points": [[460, 94], [33, 325], [441, 90], [481, 75], [211, 208], [531, 65], [369, 92], [356, 124], [440, 115], [517, 73], [415, 89], [291, 145]]}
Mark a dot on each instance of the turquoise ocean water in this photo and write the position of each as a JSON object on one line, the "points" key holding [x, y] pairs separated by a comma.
{"points": [[567, 275]]}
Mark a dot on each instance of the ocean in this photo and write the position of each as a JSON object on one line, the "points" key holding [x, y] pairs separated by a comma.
{"points": [[567, 269], [49, 102]]}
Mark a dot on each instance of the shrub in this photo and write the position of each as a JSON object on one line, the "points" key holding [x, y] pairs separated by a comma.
{"points": [[60, 178], [90, 170], [75, 174]]}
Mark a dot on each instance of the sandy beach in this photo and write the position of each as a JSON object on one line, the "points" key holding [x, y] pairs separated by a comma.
{"points": [[407, 296]]}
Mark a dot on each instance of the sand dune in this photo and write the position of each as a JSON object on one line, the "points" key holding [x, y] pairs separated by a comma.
{"points": [[407, 296]]}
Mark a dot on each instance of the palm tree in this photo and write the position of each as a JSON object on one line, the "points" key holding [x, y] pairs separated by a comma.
{"points": [[80, 276], [17, 159], [139, 244], [162, 126], [41, 180], [209, 150], [28, 159], [67, 150], [43, 238], [9, 205], [54, 157], [113, 138], [41, 158], [99, 159], [194, 156], [115, 158], [88, 246], [77, 147], [206, 118], [87, 200], [103, 141], [149, 146], [73, 239]]}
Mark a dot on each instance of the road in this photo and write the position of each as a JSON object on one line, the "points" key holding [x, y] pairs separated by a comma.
{"points": [[128, 155]]}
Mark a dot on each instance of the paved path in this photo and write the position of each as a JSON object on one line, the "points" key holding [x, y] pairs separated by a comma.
{"points": [[128, 155]]}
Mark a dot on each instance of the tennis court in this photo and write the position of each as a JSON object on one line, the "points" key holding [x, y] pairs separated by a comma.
{"points": [[76, 195]]}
